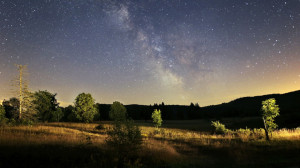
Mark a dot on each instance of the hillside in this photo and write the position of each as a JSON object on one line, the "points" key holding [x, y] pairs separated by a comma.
{"points": [[289, 104]]}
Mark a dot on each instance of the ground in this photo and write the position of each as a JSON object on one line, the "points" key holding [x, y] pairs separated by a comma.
{"points": [[177, 144]]}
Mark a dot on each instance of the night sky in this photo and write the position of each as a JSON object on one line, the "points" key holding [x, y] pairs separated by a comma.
{"points": [[145, 52]]}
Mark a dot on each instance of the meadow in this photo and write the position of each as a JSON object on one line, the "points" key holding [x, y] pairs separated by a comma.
{"points": [[177, 144]]}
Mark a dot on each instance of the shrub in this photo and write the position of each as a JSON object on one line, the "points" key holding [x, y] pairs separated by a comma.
{"points": [[219, 128], [258, 133], [126, 139], [243, 133], [124, 135]]}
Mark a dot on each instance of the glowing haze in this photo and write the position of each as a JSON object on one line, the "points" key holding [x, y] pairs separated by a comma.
{"points": [[145, 52]]}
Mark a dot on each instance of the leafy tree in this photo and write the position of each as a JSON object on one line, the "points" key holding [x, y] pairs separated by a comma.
{"points": [[11, 108], [3, 119], [117, 112], [156, 116], [84, 107], [69, 114], [47, 106], [270, 110], [57, 115]]}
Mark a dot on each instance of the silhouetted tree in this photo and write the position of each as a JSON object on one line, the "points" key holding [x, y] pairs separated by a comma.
{"points": [[117, 112], [84, 107], [47, 106], [104, 110], [11, 108], [69, 115]]}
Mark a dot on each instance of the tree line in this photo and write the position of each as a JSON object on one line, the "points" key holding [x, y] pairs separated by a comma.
{"points": [[45, 107]]}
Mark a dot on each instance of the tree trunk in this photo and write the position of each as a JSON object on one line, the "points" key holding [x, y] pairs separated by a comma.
{"points": [[267, 135], [266, 130]]}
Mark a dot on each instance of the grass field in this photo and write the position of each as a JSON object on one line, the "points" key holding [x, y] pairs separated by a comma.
{"points": [[178, 144]]}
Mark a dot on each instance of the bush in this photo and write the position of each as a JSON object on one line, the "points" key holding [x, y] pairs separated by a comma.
{"points": [[126, 139], [243, 133], [258, 133], [12, 122], [219, 128], [124, 136]]}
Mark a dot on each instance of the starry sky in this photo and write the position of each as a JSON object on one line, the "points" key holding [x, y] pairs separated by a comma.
{"points": [[145, 52]]}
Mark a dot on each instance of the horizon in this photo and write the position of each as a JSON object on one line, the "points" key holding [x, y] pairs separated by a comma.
{"points": [[176, 52], [65, 104]]}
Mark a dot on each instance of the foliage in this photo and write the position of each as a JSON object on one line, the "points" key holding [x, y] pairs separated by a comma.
{"points": [[3, 119], [156, 116], [57, 115], [244, 132], [269, 111], [11, 108], [85, 109], [117, 112], [124, 136], [219, 128], [29, 111], [97, 115], [68, 114], [47, 106], [126, 139]]}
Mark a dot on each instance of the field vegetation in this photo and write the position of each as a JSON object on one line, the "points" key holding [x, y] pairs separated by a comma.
{"points": [[84, 145]]}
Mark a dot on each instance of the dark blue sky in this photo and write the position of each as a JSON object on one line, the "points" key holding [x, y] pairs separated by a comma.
{"points": [[151, 51]]}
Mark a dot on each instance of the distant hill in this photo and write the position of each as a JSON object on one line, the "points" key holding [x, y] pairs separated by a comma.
{"points": [[289, 104]]}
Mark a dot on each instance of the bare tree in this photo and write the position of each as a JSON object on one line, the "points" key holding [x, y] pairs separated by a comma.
{"points": [[20, 84]]}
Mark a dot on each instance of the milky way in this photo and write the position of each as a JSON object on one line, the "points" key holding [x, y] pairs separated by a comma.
{"points": [[145, 52]]}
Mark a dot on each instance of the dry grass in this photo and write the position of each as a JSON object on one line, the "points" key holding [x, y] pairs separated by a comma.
{"points": [[75, 133], [45, 134], [166, 146]]}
